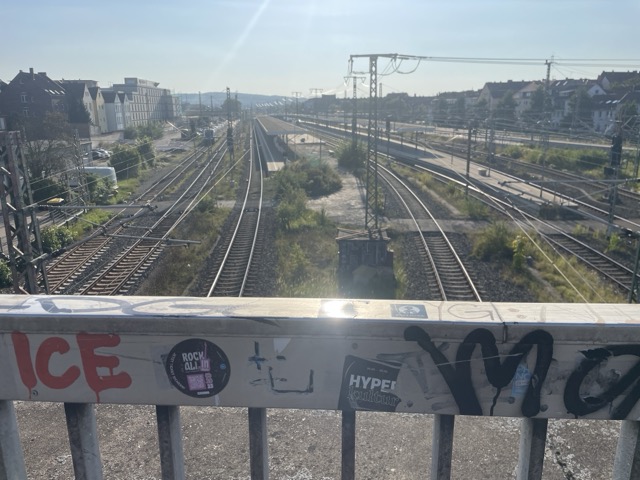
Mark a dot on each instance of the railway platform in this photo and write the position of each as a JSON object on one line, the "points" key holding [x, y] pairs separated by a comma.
{"points": [[284, 135]]}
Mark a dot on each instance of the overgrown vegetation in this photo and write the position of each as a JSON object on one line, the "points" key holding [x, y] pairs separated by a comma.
{"points": [[151, 130], [54, 238], [315, 180], [181, 264], [5, 275], [530, 262], [583, 161], [308, 258], [352, 156], [126, 160]]}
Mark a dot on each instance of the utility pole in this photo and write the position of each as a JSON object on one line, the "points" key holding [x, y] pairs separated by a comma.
{"points": [[371, 167], [354, 118], [315, 92], [615, 161], [24, 245], [79, 167], [466, 188], [296, 95], [371, 207], [492, 145], [544, 127], [229, 128]]}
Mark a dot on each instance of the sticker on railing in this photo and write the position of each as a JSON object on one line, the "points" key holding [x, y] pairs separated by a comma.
{"points": [[368, 385], [198, 368], [408, 311]]}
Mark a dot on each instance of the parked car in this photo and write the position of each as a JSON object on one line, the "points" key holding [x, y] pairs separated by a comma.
{"points": [[100, 153], [106, 153]]}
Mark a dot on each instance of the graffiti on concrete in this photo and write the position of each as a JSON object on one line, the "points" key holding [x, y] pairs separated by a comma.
{"points": [[269, 377], [578, 400], [91, 362]]}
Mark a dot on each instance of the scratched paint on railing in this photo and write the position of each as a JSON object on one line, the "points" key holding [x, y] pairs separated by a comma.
{"points": [[420, 358]]}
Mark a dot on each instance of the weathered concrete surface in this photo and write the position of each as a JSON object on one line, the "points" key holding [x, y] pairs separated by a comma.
{"points": [[305, 445]]}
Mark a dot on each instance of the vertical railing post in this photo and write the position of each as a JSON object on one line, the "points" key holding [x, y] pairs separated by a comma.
{"points": [[442, 446], [348, 445], [83, 440], [258, 444], [533, 437], [627, 461], [170, 442], [11, 458]]}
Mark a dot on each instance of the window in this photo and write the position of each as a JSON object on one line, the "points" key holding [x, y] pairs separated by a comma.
{"points": [[23, 98], [25, 111]]}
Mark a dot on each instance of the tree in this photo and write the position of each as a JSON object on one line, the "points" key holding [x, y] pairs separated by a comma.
{"points": [[536, 111], [77, 111], [49, 143], [233, 105], [506, 110], [580, 114], [45, 188], [126, 161], [147, 151], [352, 156], [99, 188], [481, 109], [459, 111], [442, 110]]}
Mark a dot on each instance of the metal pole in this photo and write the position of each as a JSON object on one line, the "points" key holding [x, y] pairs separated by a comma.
{"points": [[466, 188]]}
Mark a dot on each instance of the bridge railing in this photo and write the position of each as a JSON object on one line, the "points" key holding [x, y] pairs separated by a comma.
{"points": [[532, 361]]}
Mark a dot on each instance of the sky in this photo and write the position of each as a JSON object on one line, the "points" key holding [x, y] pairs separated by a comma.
{"points": [[278, 47]]}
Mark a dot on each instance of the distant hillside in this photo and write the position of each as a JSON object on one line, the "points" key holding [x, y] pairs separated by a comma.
{"points": [[218, 98]]}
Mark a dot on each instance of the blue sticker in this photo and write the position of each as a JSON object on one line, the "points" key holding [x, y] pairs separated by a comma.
{"points": [[520, 382], [408, 311]]}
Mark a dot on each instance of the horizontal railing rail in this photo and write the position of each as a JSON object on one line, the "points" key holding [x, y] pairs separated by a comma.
{"points": [[532, 361]]}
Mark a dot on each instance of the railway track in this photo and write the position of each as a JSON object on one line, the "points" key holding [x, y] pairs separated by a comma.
{"points": [[564, 243], [129, 255], [443, 267], [231, 271], [66, 270]]}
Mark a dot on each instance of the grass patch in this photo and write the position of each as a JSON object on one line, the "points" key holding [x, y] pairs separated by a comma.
{"points": [[88, 222], [538, 268], [451, 193], [308, 258]]}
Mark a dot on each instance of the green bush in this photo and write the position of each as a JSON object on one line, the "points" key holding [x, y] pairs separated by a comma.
{"points": [[494, 243], [352, 156], [6, 279], [314, 180], [54, 238], [126, 161]]}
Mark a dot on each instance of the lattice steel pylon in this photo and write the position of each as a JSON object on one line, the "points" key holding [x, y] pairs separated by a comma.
{"points": [[24, 246], [372, 203]]}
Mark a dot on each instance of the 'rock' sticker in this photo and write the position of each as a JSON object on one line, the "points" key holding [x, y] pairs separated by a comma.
{"points": [[198, 368]]}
